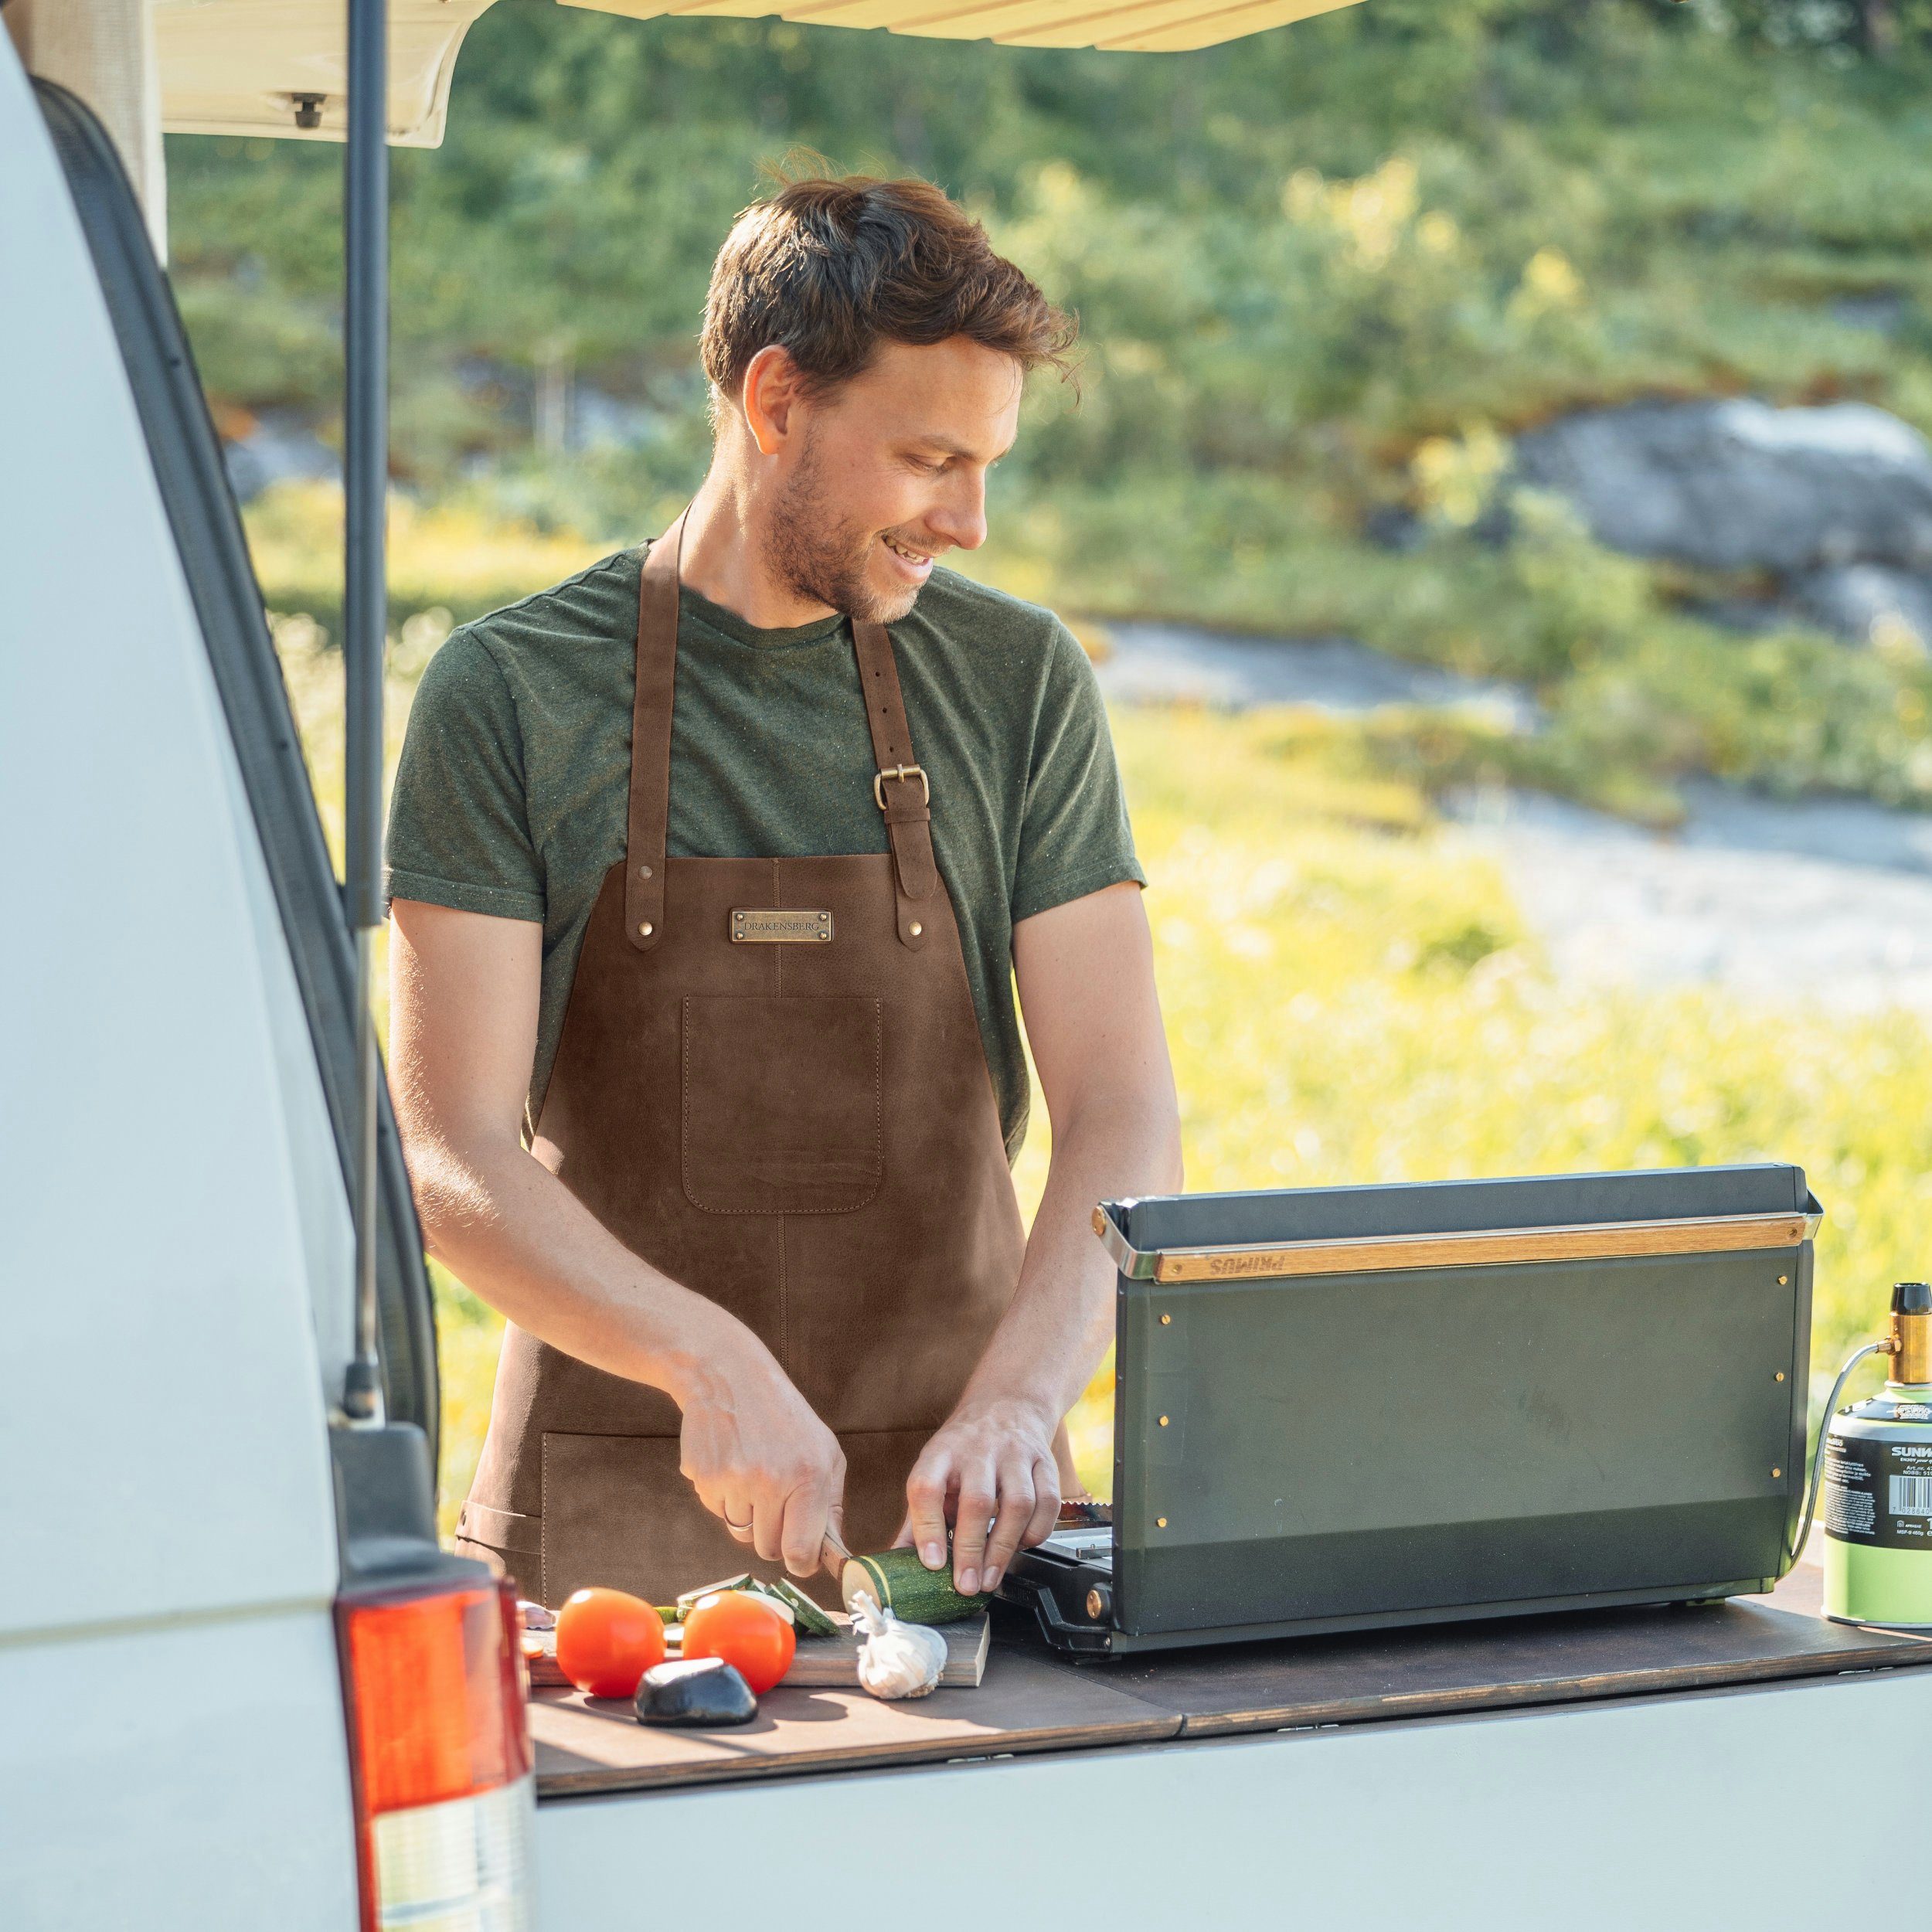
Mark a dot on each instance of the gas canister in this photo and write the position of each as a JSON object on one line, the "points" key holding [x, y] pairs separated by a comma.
{"points": [[1877, 1457]]}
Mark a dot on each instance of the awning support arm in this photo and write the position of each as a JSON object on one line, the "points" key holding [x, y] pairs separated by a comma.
{"points": [[365, 623]]}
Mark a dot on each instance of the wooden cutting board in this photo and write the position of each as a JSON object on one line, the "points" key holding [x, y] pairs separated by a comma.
{"points": [[819, 1662]]}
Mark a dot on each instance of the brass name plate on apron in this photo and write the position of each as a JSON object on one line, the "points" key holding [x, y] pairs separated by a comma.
{"points": [[751, 928]]}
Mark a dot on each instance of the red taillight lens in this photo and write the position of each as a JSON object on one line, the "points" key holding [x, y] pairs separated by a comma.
{"points": [[436, 1696], [437, 1720]]}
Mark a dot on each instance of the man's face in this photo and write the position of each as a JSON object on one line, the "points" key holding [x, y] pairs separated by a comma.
{"points": [[888, 472]]}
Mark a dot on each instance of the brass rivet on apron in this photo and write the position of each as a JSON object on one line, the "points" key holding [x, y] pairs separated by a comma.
{"points": [[1160, 1522], [1783, 1281], [916, 929], [1775, 1474], [1164, 1422], [644, 929], [643, 872], [1167, 1321], [1779, 1376]]}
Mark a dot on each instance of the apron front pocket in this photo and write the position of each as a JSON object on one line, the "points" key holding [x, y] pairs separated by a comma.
{"points": [[781, 1103]]}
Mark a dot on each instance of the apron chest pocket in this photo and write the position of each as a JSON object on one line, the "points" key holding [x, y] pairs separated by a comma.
{"points": [[781, 1103]]}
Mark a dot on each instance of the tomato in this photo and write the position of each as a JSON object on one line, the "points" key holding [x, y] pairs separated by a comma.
{"points": [[605, 1640], [749, 1635]]}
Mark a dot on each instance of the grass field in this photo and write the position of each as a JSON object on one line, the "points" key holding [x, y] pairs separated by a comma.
{"points": [[1351, 996]]}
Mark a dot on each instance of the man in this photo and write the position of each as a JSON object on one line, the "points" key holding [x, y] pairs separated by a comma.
{"points": [[702, 1033]]}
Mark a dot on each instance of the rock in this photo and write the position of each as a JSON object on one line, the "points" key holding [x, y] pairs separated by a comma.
{"points": [[1866, 601], [1879, 311], [698, 1690], [599, 421], [280, 446], [1737, 484], [1390, 527], [1751, 617]]}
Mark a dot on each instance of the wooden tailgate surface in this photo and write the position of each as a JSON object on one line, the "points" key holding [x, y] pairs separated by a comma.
{"points": [[1031, 1700]]}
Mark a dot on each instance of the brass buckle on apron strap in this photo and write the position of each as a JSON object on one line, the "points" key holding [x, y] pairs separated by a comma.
{"points": [[902, 772]]}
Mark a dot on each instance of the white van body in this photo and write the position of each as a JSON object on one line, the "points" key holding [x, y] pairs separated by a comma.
{"points": [[174, 1272], [174, 1232]]}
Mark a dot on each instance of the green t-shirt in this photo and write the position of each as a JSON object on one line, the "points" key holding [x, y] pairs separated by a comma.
{"points": [[511, 794]]}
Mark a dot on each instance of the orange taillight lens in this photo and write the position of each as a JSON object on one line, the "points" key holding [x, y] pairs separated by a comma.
{"points": [[436, 1696], [442, 1758]]}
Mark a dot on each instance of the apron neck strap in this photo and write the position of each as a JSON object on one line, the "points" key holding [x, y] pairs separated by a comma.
{"points": [[650, 813], [900, 787]]}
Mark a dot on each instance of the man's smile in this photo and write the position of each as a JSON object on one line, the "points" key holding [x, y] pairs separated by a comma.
{"points": [[917, 564]]}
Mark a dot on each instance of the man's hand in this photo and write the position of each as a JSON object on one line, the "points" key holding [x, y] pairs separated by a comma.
{"points": [[757, 1454], [992, 1464]]}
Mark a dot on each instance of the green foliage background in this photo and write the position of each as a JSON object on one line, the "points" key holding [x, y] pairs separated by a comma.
{"points": [[1321, 273], [1350, 995]]}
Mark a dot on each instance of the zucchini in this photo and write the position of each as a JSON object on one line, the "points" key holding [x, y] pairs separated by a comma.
{"points": [[784, 1597], [811, 1621], [895, 1580]]}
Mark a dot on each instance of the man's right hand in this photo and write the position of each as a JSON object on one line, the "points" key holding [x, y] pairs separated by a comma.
{"points": [[757, 1454]]}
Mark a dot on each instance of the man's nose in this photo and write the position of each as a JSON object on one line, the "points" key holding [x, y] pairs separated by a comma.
{"points": [[961, 517]]}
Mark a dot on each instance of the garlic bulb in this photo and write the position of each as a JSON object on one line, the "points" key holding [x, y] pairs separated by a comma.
{"points": [[895, 1659]]}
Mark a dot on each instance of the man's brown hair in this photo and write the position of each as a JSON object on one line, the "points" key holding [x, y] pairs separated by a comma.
{"points": [[828, 268]]}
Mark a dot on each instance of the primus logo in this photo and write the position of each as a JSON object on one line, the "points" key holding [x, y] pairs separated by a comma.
{"points": [[751, 928], [1224, 1264]]}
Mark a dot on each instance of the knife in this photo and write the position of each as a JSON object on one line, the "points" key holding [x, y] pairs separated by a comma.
{"points": [[833, 1555]]}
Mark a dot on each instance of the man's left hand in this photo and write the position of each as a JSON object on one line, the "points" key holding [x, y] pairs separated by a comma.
{"points": [[990, 1471]]}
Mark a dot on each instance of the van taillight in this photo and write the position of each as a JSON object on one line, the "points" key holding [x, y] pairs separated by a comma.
{"points": [[443, 1794]]}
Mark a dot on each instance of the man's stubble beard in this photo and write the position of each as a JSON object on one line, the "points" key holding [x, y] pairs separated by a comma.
{"points": [[816, 555]]}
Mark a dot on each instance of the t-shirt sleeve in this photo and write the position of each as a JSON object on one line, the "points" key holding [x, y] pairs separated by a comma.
{"points": [[459, 828], [1074, 836]]}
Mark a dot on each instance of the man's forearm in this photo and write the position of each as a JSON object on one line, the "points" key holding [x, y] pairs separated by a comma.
{"points": [[507, 1228], [1123, 1141]]}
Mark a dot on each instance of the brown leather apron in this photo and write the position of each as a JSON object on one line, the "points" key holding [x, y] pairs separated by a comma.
{"points": [[770, 1084]]}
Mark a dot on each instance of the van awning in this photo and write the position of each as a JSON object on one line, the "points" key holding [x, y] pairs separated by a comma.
{"points": [[280, 67], [277, 67], [1126, 26]]}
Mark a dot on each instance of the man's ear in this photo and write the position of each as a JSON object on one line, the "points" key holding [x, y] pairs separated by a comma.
{"points": [[769, 398]]}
